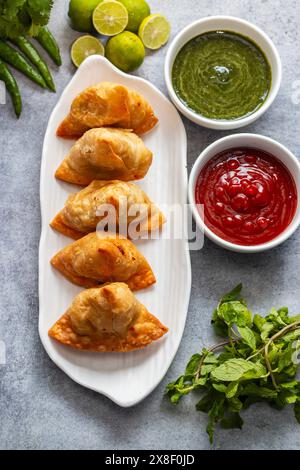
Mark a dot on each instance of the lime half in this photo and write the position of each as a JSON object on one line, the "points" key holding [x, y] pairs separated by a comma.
{"points": [[154, 31], [85, 46], [110, 18]]}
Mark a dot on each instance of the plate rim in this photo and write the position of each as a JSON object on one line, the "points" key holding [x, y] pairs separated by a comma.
{"points": [[44, 226]]}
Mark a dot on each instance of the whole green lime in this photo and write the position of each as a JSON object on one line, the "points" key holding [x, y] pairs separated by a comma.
{"points": [[80, 14], [126, 51], [137, 11]]}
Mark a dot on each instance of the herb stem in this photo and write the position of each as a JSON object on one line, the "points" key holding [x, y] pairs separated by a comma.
{"points": [[279, 333], [292, 326], [256, 353], [229, 336], [264, 349], [213, 348], [268, 364]]}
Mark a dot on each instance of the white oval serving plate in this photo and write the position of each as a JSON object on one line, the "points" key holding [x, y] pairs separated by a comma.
{"points": [[124, 378]]}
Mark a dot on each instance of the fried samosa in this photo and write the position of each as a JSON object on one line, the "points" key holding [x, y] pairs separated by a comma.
{"points": [[107, 104], [107, 319], [96, 259], [85, 209], [104, 154]]}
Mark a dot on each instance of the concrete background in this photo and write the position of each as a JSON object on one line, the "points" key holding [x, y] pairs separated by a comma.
{"points": [[40, 407]]}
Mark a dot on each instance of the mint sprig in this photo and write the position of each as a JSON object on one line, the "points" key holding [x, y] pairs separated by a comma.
{"points": [[256, 362]]}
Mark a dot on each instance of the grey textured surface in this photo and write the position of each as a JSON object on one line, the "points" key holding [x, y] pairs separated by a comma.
{"points": [[40, 407]]}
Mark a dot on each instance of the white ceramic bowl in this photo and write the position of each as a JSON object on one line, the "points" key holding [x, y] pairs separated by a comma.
{"points": [[236, 25], [254, 141]]}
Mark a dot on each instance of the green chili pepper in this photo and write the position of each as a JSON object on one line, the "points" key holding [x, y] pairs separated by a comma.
{"points": [[47, 40], [12, 87], [30, 51], [13, 57]]}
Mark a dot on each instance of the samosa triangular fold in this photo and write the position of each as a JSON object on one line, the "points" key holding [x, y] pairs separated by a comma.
{"points": [[104, 154], [107, 319], [99, 258], [107, 104], [84, 210]]}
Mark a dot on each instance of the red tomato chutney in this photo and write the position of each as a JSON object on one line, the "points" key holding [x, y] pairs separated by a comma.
{"points": [[249, 197]]}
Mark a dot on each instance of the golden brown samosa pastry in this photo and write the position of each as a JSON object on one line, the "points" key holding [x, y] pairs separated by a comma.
{"points": [[96, 259], [81, 213], [107, 319], [107, 104], [104, 154]]}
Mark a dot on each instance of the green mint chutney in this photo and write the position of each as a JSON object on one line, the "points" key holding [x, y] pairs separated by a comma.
{"points": [[221, 75]]}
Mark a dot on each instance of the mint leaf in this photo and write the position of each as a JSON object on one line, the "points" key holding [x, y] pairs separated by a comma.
{"points": [[235, 312], [175, 396], [292, 384], [231, 421], [175, 390], [236, 369], [288, 397], [215, 414], [285, 358], [252, 389], [219, 326], [248, 336], [235, 404], [231, 370], [225, 356], [207, 368], [259, 322], [276, 317], [205, 403], [266, 330], [284, 314], [233, 294], [200, 382], [210, 358], [219, 387], [292, 336], [232, 389], [192, 365], [257, 372]]}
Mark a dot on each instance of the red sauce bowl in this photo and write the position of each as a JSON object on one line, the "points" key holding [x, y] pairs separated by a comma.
{"points": [[244, 192]]}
